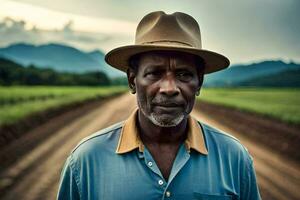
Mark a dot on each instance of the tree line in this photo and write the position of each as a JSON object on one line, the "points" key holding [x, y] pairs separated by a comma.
{"points": [[12, 73]]}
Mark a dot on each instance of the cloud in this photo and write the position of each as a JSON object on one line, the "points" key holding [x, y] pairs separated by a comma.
{"points": [[11, 30], [16, 31], [45, 18], [21, 22]]}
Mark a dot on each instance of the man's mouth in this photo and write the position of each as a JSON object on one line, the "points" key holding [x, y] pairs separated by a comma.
{"points": [[167, 107]]}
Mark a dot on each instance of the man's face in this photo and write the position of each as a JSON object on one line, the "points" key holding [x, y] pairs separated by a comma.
{"points": [[166, 84]]}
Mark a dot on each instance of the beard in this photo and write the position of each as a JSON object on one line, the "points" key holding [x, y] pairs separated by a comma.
{"points": [[161, 120]]}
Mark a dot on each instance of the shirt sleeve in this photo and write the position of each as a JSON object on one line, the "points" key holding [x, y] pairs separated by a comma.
{"points": [[250, 189], [68, 188]]}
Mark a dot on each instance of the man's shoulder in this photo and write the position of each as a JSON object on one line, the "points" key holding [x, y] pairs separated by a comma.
{"points": [[217, 132], [103, 138], [216, 138]]}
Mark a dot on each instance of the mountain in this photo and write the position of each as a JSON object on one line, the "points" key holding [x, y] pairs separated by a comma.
{"points": [[59, 57], [235, 75], [98, 57], [12, 73], [288, 78]]}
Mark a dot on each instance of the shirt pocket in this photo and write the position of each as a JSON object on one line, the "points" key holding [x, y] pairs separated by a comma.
{"points": [[199, 196]]}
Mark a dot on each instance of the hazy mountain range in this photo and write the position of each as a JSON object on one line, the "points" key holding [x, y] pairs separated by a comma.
{"points": [[64, 58], [237, 75]]}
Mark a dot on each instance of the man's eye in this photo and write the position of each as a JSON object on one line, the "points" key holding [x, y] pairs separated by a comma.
{"points": [[184, 76], [153, 74]]}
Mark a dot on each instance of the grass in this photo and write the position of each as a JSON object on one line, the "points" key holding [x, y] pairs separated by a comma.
{"points": [[282, 104], [19, 102]]}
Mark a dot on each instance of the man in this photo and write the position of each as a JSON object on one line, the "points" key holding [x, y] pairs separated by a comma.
{"points": [[161, 152]]}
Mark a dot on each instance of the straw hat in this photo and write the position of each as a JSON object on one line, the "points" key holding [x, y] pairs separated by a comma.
{"points": [[160, 31]]}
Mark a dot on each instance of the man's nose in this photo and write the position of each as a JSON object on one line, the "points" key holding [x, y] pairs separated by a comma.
{"points": [[168, 86]]}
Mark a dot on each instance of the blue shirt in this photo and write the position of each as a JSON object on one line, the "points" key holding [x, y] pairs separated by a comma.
{"points": [[113, 164]]}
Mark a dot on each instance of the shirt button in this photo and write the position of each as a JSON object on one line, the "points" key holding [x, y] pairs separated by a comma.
{"points": [[150, 164], [160, 182], [168, 194]]}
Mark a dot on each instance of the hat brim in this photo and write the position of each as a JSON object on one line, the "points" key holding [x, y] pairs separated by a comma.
{"points": [[119, 57]]}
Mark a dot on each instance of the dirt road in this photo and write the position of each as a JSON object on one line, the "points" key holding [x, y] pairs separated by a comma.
{"points": [[36, 175]]}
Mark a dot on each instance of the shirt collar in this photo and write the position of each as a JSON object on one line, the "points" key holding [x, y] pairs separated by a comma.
{"points": [[130, 140]]}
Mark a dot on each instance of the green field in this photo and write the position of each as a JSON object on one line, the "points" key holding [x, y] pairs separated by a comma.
{"points": [[20, 101], [282, 104]]}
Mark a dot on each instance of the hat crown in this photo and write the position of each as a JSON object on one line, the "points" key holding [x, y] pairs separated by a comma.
{"points": [[177, 29], [159, 31]]}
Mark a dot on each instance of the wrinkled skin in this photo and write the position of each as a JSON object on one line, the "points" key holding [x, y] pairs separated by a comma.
{"points": [[166, 84]]}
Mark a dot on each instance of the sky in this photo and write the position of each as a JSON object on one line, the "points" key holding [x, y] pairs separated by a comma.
{"points": [[245, 31]]}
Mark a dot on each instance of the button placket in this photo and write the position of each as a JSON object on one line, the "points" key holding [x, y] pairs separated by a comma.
{"points": [[150, 163], [180, 160]]}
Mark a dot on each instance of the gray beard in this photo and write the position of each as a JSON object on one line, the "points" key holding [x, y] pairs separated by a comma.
{"points": [[159, 121]]}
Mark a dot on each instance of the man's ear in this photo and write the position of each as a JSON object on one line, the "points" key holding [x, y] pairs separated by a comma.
{"points": [[131, 76], [198, 92], [201, 79]]}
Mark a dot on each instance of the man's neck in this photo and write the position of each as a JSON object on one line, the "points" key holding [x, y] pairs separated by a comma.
{"points": [[153, 134]]}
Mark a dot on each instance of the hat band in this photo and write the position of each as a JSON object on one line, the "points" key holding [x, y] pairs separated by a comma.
{"points": [[168, 43]]}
